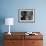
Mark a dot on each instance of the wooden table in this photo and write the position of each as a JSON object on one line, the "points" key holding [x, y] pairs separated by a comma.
{"points": [[20, 39]]}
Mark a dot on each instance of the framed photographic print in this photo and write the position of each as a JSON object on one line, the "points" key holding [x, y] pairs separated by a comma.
{"points": [[26, 15]]}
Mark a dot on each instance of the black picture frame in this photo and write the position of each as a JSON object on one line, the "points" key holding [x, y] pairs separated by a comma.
{"points": [[26, 15]]}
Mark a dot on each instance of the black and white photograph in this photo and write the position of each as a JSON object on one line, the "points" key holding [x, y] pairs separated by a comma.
{"points": [[26, 15]]}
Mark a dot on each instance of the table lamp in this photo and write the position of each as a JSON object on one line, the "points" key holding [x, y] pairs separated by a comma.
{"points": [[9, 21]]}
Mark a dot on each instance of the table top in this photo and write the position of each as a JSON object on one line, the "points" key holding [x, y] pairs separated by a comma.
{"points": [[22, 35]]}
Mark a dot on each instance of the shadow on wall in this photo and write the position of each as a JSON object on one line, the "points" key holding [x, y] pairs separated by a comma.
{"points": [[2, 21]]}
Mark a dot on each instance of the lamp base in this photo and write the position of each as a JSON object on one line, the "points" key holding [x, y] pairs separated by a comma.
{"points": [[9, 33]]}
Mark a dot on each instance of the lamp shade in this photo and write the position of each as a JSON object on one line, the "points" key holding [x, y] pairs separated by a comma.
{"points": [[9, 21]]}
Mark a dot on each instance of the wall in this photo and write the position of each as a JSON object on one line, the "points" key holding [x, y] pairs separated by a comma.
{"points": [[9, 8]]}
